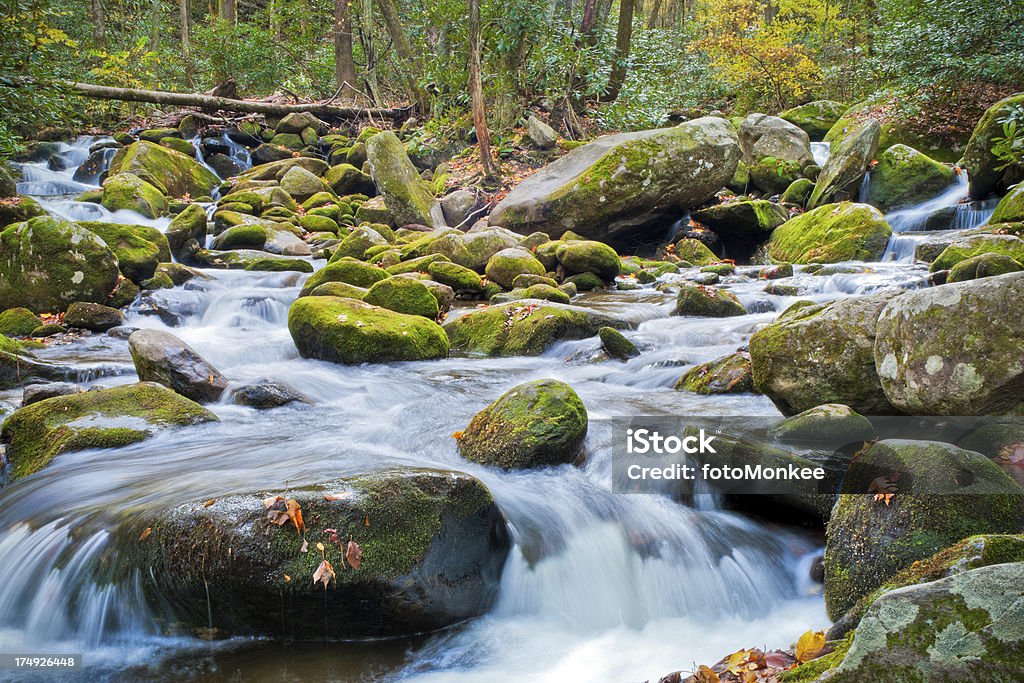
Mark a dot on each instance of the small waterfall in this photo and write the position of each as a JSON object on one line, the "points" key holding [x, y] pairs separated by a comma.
{"points": [[821, 152]]}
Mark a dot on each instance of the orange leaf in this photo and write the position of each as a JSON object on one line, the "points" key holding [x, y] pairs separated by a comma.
{"points": [[457, 435], [294, 513], [705, 675], [145, 533], [209, 502]]}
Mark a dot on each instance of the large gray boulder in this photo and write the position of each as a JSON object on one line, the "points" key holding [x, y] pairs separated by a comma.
{"points": [[851, 156], [611, 186], [161, 357], [957, 349], [763, 136], [405, 193]]}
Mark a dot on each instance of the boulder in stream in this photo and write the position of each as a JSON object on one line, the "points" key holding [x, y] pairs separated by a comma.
{"points": [[187, 232], [726, 375], [92, 317], [743, 219], [903, 176], [407, 196], [830, 234], [161, 357], [988, 172], [815, 118], [139, 248], [850, 159], [127, 191], [173, 173]]}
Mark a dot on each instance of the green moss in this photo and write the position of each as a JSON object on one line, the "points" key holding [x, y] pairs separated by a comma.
{"points": [[314, 223], [830, 234], [774, 175], [726, 375], [812, 670], [983, 265], [815, 118], [977, 245], [459, 278], [403, 295], [18, 210], [139, 248], [339, 289], [586, 256], [173, 172], [108, 418], [798, 192], [130, 192], [585, 282], [903, 176], [711, 302], [1011, 207], [695, 252], [420, 264], [505, 265], [616, 345], [346, 270], [406, 194], [18, 322]]}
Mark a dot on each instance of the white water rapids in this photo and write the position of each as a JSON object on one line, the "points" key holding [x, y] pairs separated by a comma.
{"points": [[599, 586]]}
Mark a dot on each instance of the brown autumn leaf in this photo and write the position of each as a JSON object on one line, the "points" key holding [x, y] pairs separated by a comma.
{"points": [[366, 520], [735, 662], [271, 501], [209, 502], [354, 554], [294, 513], [324, 573], [457, 435], [809, 646], [287, 579], [335, 496], [705, 675], [278, 517], [145, 533]]}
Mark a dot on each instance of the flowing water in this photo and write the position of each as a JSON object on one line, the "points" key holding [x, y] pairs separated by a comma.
{"points": [[599, 586]]}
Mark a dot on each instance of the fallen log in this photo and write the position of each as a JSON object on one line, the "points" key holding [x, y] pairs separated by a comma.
{"points": [[212, 103]]}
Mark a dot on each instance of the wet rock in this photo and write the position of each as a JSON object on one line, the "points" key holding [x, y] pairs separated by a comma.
{"points": [[851, 156], [187, 232], [92, 317], [830, 234], [121, 331], [108, 418], [34, 393], [18, 366], [138, 248], [822, 353], [726, 375], [618, 183], [403, 295], [458, 206], [750, 219], [127, 191], [710, 302], [346, 179], [407, 196], [954, 349], [241, 259], [172, 172], [161, 357], [987, 172], [352, 332], [968, 246], [616, 345], [506, 264], [19, 209], [903, 177], [832, 423], [265, 394], [346, 270], [47, 263], [457, 277], [586, 256], [524, 328], [942, 495], [815, 118], [694, 252], [537, 424], [984, 265], [18, 322]]}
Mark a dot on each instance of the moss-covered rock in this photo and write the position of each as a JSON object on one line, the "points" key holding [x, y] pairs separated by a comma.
{"points": [[983, 265], [963, 248], [357, 243], [586, 256], [243, 236], [616, 345], [822, 353], [406, 195], [107, 418], [187, 232], [19, 209], [612, 185], [19, 367], [851, 156], [403, 295], [139, 248], [506, 264], [130, 192], [832, 424], [798, 193], [346, 179], [694, 252], [709, 302], [352, 332], [18, 322], [92, 317], [457, 277], [173, 172], [585, 282], [763, 136], [773, 175], [830, 234], [244, 259], [539, 291], [47, 263], [301, 184], [8, 180], [954, 349], [1011, 207], [904, 176], [726, 375], [815, 118], [987, 174], [524, 328], [474, 249], [346, 270], [339, 289], [536, 424], [742, 219], [433, 546]]}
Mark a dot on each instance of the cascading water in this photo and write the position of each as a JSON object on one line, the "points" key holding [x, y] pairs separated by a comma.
{"points": [[599, 586]]}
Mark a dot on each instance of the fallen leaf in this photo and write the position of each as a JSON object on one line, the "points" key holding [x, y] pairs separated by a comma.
{"points": [[810, 646], [145, 533], [705, 675], [354, 554], [320, 547], [324, 573], [734, 663], [273, 500], [209, 502], [305, 546], [294, 513], [366, 520], [335, 496], [287, 579], [457, 435]]}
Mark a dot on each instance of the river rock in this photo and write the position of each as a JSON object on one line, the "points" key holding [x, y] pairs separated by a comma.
{"points": [[1010, 208], [18, 322], [798, 192], [127, 191], [47, 263], [954, 349], [942, 495], [8, 181], [300, 183], [92, 317], [708, 302], [107, 418], [457, 277], [504, 266], [244, 259], [830, 234], [187, 232], [172, 172], [618, 183], [851, 156], [536, 424], [19, 209], [161, 357], [983, 265], [726, 375], [987, 174], [347, 270], [616, 345], [18, 366], [524, 328], [822, 353], [352, 332], [832, 423], [34, 393], [356, 243], [265, 393], [458, 206], [762, 136], [964, 247], [903, 176], [406, 194], [298, 121], [139, 248], [472, 249], [587, 256], [346, 179], [744, 219], [815, 118], [433, 546], [403, 295]]}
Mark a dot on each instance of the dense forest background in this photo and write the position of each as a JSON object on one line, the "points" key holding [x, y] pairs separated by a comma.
{"points": [[590, 65]]}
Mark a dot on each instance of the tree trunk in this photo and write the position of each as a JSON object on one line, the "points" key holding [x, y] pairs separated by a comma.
{"points": [[588, 22], [213, 103], [652, 18], [186, 47], [99, 28], [366, 38], [226, 10], [154, 40], [405, 51], [476, 92], [344, 64], [623, 37]]}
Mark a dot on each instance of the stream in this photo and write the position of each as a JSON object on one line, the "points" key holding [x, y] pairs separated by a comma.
{"points": [[598, 586]]}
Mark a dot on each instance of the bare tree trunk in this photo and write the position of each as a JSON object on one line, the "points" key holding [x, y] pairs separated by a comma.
{"points": [[99, 28], [623, 37], [476, 92], [366, 38], [344, 64], [186, 46], [405, 51], [588, 22], [226, 10], [652, 18], [154, 39]]}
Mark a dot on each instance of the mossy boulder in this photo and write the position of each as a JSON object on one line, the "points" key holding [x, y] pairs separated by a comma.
{"points": [[339, 289], [433, 546], [244, 259], [524, 328], [833, 424], [106, 418], [969, 246], [694, 252], [744, 218], [47, 263], [92, 317], [942, 495], [537, 424], [473, 249], [616, 345], [403, 295], [358, 242], [459, 278], [762, 136], [8, 180], [18, 366], [798, 192], [174, 173], [850, 159], [983, 265], [187, 232], [540, 291], [406, 194], [346, 179], [830, 234], [815, 118], [621, 182], [726, 375], [822, 353], [347, 270], [242, 236], [164, 358], [18, 322], [954, 349], [773, 175], [127, 191], [708, 302], [1010, 208], [296, 122], [904, 176], [352, 332], [504, 266], [987, 174], [300, 183], [139, 248], [586, 256], [19, 209]]}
